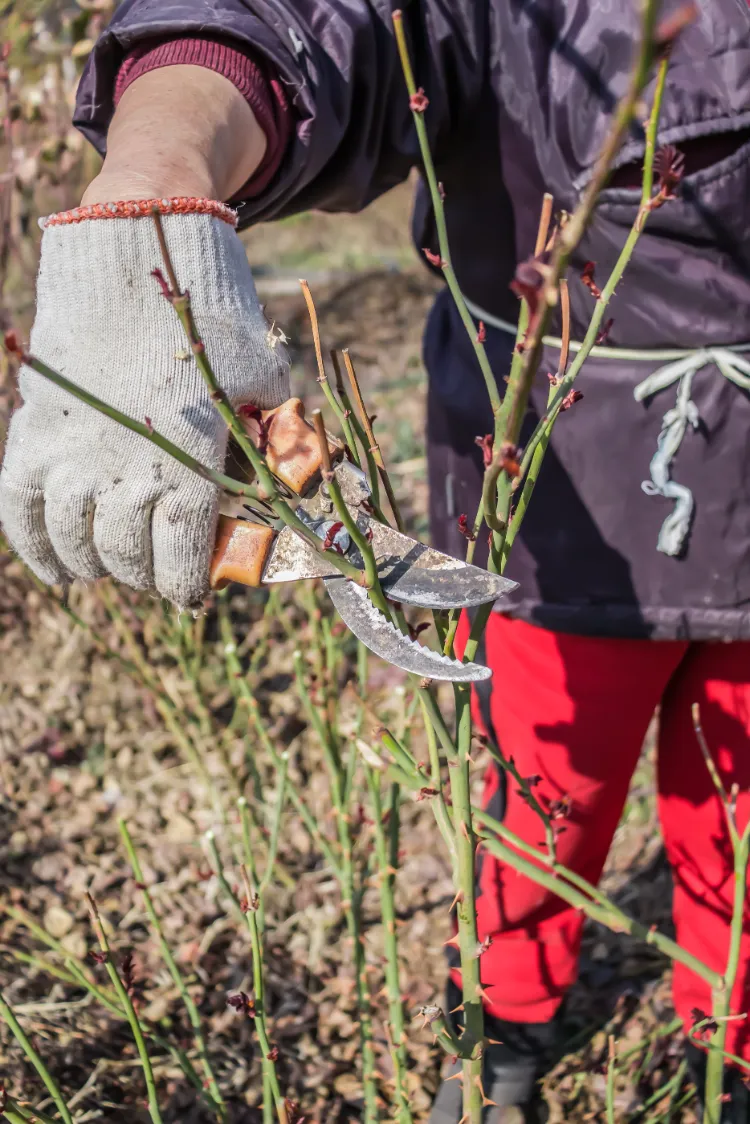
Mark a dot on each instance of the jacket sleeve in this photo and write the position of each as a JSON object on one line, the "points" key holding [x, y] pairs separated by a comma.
{"points": [[354, 137]]}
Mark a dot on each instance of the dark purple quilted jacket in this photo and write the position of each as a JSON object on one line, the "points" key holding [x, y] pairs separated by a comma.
{"points": [[520, 96]]}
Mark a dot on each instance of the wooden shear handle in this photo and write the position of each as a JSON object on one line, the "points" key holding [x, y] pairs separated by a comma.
{"points": [[292, 453]]}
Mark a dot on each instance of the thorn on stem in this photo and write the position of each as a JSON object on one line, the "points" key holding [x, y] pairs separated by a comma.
{"points": [[428, 1014], [486, 1102]]}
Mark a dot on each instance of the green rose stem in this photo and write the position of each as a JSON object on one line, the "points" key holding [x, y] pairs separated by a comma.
{"points": [[174, 971], [15, 1113], [537, 445], [127, 1006], [249, 907], [722, 990], [563, 248], [9, 1018]]}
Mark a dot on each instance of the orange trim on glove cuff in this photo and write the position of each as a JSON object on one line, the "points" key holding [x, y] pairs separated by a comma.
{"points": [[143, 208]]}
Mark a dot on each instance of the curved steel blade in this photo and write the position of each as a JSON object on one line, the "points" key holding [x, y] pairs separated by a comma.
{"points": [[409, 571], [381, 637], [417, 574]]}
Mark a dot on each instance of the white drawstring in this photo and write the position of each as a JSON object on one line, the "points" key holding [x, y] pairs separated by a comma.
{"points": [[674, 424], [683, 365]]}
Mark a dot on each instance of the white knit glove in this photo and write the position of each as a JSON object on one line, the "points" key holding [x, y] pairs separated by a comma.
{"points": [[80, 496]]}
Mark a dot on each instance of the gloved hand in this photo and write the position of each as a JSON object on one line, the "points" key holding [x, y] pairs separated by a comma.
{"points": [[80, 496]]}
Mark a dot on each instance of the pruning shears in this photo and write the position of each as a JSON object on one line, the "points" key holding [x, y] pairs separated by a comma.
{"points": [[261, 553]]}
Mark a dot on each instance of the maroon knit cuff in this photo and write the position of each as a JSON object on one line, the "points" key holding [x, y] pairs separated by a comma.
{"points": [[262, 91]]}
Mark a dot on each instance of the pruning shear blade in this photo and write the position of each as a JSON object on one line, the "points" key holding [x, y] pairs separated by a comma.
{"points": [[410, 572], [381, 637]]}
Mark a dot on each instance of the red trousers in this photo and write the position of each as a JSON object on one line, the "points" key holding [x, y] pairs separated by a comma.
{"points": [[574, 711]]}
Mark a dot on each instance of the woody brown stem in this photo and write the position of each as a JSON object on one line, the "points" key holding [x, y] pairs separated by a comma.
{"points": [[322, 376], [373, 449], [358, 537], [364, 429], [353, 431]]}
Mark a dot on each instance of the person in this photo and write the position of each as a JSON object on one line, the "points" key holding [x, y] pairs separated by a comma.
{"points": [[634, 583]]}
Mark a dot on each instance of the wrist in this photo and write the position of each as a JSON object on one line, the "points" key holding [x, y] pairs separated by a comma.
{"points": [[180, 131], [134, 180]]}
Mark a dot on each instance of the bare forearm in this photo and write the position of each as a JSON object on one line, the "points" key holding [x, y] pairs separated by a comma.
{"points": [[181, 130]]}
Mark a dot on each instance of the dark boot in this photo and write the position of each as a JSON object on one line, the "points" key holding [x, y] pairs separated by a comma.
{"points": [[510, 1072], [736, 1110]]}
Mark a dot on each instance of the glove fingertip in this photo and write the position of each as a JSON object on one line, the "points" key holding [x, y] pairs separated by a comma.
{"points": [[182, 533], [23, 524]]}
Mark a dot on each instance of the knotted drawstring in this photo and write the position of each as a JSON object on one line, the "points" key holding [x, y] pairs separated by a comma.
{"points": [[675, 528], [684, 365]]}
